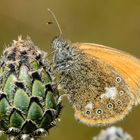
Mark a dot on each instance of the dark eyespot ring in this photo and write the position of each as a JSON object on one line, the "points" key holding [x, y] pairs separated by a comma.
{"points": [[88, 112], [121, 92], [99, 111], [110, 106], [118, 79], [119, 102]]}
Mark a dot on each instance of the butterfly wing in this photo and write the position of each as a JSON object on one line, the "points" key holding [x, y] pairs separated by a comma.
{"points": [[125, 64], [103, 84]]}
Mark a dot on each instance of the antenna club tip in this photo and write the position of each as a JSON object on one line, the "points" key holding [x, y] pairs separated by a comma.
{"points": [[48, 9]]}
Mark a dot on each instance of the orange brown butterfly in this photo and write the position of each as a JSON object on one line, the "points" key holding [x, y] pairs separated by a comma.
{"points": [[102, 83]]}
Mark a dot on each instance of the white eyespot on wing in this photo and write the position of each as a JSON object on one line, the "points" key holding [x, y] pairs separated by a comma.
{"points": [[89, 106], [111, 92]]}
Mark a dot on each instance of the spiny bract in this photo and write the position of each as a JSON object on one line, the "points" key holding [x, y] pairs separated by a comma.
{"points": [[28, 97]]}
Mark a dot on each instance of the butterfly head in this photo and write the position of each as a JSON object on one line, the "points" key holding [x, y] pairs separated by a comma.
{"points": [[58, 43], [63, 54]]}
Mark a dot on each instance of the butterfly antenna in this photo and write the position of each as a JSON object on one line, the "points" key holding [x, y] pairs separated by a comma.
{"points": [[56, 21]]}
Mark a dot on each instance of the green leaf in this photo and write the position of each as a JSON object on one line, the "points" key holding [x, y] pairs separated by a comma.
{"points": [[38, 89], [4, 72], [35, 112], [9, 87], [16, 119], [4, 107], [35, 66], [50, 102], [45, 77], [47, 119], [21, 100]]}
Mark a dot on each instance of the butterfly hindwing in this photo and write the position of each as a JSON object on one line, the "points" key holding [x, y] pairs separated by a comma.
{"points": [[98, 93]]}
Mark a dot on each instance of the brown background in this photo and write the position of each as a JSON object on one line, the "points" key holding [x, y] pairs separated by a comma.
{"points": [[115, 23]]}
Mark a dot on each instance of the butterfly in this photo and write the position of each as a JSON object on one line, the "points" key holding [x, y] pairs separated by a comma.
{"points": [[102, 83]]}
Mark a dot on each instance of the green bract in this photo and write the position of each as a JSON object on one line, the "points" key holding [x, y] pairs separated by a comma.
{"points": [[28, 96]]}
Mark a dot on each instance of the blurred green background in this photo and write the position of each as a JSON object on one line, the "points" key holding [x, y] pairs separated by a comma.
{"points": [[114, 23]]}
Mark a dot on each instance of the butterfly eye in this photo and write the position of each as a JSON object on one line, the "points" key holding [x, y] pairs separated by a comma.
{"points": [[121, 92], [99, 111], [118, 79], [110, 106]]}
